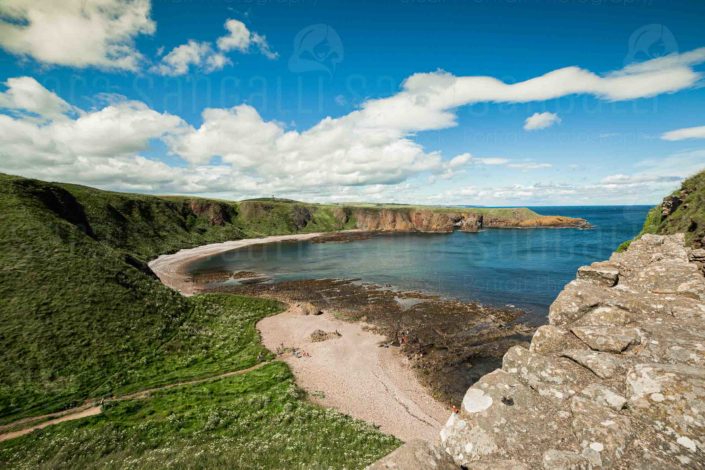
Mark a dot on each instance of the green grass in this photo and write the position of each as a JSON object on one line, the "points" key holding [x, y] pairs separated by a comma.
{"points": [[257, 420], [688, 218], [82, 317]]}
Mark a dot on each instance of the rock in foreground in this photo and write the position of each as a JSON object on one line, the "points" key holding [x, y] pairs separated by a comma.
{"points": [[616, 380]]}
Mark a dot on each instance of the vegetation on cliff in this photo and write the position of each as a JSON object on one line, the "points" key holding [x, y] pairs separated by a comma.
{"points": [[84, 318], [683, 211]]}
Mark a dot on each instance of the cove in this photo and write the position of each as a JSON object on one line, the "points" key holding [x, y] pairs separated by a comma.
{"points": [[525, 268]]}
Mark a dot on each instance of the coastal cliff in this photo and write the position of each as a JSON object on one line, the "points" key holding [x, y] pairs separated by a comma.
{"points": [[615, 380], [446, 220]]}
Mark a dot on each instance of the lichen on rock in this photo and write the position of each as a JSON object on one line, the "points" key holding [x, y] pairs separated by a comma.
{"points": [[616, 380]]}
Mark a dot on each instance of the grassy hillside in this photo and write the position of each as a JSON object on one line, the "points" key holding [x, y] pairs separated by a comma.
{"points": [[681, 212], [82, 317], [81, 310]]}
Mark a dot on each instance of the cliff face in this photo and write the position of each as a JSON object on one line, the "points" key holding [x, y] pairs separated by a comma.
{"points": [[616, 380], [429, 220]]}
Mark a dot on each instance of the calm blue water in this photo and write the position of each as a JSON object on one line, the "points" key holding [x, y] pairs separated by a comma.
{"points": [[526, 268]]}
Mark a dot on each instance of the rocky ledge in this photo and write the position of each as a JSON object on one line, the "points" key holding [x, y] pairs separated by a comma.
{"points": [[615, 380]]}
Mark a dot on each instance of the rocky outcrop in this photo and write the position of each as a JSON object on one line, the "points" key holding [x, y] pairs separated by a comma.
{"points": [[429, 220], [615, 380], [216, 213]]}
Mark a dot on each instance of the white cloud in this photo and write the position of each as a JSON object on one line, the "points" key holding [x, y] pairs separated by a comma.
{"points": [[242, 39], [77, 33], [25, 94], [459, 160], [493, 161], [239, 37], [203, 56], [541, 121], [686, 133], [260, 42], [529, 165], [192, 54], [118, 130], [235, 150]]}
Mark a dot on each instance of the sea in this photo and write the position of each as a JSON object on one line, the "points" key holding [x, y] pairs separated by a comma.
{"points": [[522, 268]]}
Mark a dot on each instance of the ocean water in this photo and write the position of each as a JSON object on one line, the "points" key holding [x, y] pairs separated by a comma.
{"points": [[525, 268]]}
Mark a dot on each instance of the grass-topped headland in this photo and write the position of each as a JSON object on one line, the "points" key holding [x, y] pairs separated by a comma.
{"points": [[683, 211]]}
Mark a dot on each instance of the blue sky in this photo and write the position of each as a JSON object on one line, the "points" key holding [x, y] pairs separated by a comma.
{"points": [[121, 105]]}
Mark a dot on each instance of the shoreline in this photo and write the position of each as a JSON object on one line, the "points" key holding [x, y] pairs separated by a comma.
{"points": [[352, 373], [171, 269]]}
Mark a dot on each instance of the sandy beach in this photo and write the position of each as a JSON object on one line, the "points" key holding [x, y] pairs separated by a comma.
{"points": [[171, 269], [351, 373]]}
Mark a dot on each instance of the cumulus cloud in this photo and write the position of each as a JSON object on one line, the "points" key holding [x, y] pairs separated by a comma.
{"points": [[27, 95], [686, 133], [236, 150], [77, 33], [541, 121], [202, 55], [192, 54], [69, 137], [242, 39]]}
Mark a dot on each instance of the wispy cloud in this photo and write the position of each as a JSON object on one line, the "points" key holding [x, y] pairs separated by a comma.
{"points": [[686, 133]]}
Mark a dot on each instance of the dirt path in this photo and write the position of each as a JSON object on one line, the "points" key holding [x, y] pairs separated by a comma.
{"points": [[93, 409], [69, 416], [353, 374]]}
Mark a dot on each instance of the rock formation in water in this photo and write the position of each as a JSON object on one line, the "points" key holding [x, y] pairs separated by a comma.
{"points": [[615, 380]]}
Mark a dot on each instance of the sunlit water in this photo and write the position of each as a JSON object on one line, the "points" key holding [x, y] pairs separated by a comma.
{"points": [[526, 268]]}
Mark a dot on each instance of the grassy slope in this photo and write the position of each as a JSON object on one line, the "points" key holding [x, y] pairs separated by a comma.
{"points": [[688, 218], [82, 318], [256, 420], [80, 309]]}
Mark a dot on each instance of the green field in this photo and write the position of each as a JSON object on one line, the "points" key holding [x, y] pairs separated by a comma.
{"points": [[84, 318]]}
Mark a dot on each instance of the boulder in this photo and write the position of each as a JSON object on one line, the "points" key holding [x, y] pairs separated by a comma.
{"points": [[607, 337], [416, 454], [600, 273]]}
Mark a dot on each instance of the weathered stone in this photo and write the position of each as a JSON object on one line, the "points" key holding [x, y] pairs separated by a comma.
{"points": [[502, 464], [579, 298], [600, 273], [563, 460], [602, 433], [416, 455], [517, 425], [673, 342], [556, 377], [604, 396], [549, 339], [617, 380], [607, 338], [606, 315], [604, 365], [697, 255]]}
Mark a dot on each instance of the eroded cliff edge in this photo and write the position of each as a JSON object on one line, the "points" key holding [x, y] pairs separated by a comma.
{"points": [[615, 380]]}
